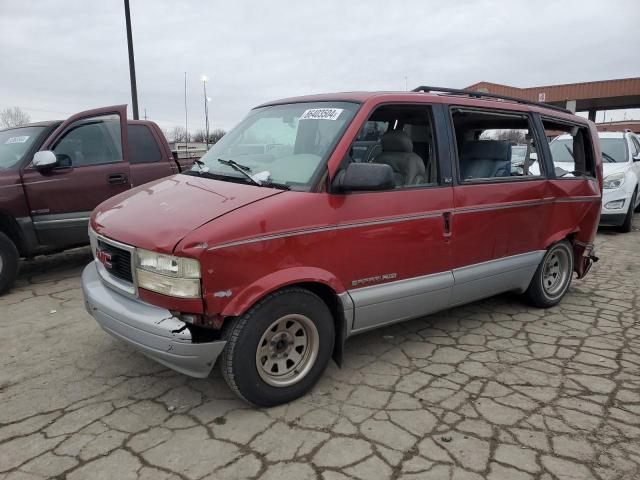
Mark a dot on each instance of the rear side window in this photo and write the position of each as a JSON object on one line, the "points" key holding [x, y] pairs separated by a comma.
{"points": [[571, 149], [143, 147], [495, 146]]}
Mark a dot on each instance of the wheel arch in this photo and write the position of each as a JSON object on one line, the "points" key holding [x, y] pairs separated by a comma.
{"points": [[320, 282], [11, 229], [568, 234]]}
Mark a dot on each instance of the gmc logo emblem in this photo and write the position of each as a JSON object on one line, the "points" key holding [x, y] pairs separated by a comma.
{"points": [[104, 258]]}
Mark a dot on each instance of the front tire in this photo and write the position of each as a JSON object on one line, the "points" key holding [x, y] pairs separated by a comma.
{"points": [[278, 350], [9, 262], [553, 276]]}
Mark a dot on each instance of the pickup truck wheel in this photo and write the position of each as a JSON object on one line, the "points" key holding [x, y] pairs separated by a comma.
{"points": [[553, 276], [9, 261], [627, 225], [278, 350]]}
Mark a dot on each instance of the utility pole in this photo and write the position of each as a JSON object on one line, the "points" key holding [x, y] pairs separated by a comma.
{"points": [[145, 113], [205, 79], [132, 66], [186, 119]]}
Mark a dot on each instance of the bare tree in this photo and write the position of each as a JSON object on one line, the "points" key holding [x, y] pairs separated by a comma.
{"points": [[214, 136], [198, 136], [13, 117], [516, 137], [177, 134]]}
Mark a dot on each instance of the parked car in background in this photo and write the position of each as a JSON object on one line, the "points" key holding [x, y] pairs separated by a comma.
{"points": [[279, 255], [621, 167], [53, 174]]}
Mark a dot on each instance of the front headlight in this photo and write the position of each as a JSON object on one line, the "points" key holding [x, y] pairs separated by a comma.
{"points": [[168, 274], [615, 180]]}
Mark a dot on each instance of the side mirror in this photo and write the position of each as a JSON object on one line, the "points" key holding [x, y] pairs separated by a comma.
{"points": [[45, 160], [636, 158], [364, 177]]}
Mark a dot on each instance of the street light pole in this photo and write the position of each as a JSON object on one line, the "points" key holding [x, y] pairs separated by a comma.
{"points": [[206, 109], [132, 66]]}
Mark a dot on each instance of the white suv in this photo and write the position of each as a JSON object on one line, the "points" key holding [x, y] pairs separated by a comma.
{"points": [[621, 170]]}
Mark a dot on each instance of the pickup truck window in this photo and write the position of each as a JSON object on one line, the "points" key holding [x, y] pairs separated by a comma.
{"points": [[91, 141], [286, 143], [143, 148], [14, 143]]}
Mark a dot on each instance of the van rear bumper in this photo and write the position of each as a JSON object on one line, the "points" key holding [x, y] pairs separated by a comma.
{"points": [[153, 330]]}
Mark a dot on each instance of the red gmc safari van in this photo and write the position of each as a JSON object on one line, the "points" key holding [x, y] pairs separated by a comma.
{"points": [[321, 217]]}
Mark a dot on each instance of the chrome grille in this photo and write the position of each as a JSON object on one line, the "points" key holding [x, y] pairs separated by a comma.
{"points": [[114, 261], [120, 261]]}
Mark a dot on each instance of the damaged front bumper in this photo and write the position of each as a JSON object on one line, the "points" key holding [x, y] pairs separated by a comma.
{"points": [[152, 330]]}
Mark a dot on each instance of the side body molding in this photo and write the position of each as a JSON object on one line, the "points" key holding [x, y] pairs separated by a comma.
{"points": [[402, 300], [496, 276], [393, 302]]}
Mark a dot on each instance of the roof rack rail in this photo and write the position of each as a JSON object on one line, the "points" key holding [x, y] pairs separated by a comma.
{"points": [[475, 94]]}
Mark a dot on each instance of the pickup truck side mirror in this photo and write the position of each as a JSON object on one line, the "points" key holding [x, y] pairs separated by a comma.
{"points": [[364, 177], [47, 160]]}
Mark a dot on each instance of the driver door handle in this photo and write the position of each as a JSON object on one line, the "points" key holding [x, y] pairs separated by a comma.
{"points": [[117, 179]]}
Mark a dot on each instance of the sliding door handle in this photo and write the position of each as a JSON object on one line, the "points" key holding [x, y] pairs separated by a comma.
{"points": [[446, 220]]}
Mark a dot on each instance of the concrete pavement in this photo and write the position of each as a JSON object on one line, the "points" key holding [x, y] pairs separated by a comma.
{"points": [[492, 390]]}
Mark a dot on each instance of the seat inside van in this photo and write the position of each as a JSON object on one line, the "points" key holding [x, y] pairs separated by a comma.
{"points": [[485, 159], [402, 137]]}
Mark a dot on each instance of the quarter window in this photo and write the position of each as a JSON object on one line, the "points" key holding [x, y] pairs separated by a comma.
{"points": [[143, 148], [495, 146], [91, 141], [571, 149]]}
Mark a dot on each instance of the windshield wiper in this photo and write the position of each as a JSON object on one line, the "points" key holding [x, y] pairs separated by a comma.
{"points": [[609, 158], [244, 170], [202, 167]]}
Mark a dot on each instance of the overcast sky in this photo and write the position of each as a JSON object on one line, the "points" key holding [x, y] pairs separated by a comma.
{"points": [[59, 57]]}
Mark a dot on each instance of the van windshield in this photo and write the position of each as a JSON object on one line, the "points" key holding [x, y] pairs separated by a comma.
{"points": [[283, 144], [14, 143]]}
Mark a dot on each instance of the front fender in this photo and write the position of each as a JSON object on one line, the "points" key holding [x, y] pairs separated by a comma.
{"points": [[276, 280]]}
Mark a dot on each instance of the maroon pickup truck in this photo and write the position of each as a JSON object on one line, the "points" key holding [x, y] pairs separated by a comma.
{"points": [[53, 174]]}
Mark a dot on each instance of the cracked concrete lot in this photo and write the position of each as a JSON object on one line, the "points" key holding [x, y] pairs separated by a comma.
{"points": [[492, 390]]}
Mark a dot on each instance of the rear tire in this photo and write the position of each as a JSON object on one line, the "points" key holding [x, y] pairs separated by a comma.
{"points": [[553, 276], [278, 350], [9, 262], [627, 225]]}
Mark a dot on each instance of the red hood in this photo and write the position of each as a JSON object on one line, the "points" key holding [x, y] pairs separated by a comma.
{"points": [[157, 215]]}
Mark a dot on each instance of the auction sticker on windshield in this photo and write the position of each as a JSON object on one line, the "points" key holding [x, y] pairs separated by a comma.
{"points": [[20, 139], [321, 114]]}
